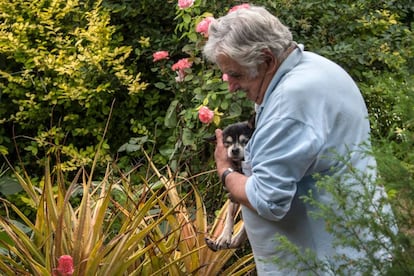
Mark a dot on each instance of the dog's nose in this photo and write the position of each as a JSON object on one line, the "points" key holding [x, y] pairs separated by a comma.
{"points": [[235, 151]]}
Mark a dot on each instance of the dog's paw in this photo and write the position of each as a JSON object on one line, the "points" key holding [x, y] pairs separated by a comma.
{"points": [[219, 244], [223, 241], [211, 244]]}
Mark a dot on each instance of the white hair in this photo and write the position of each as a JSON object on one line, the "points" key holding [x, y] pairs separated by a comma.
{"points": [[243, 34]]}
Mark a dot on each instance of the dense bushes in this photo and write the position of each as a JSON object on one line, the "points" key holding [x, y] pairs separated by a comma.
{"points": [[65, 63], [66, 68]]}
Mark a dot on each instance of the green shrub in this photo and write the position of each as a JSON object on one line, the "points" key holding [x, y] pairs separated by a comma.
{"points": [[387, 250], [67, 62], [372, 40], [63, 66]]}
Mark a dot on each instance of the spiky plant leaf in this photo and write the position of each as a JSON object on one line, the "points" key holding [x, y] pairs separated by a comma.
{"points": [[153, 231]]}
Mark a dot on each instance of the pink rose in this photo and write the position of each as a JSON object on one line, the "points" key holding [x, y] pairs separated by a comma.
{"points": [[238, 7], [179, 66], [180, 76], [205, 115], [183, 4], [182, 64], [65, 265], [202, 27], [225, 77], [160, 55]]}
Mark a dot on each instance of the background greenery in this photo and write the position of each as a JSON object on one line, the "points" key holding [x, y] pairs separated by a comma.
{"points": [[68, 69], [65, 63]]}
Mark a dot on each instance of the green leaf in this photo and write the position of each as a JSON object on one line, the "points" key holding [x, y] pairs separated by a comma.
{"points": [[170, 120], [9, 185], [188, 138], [132, 148], [235, 109], [5, 238], [187, 18], [224, 105], [188, 78], [3, 150], [193, 37], [160, 85]]}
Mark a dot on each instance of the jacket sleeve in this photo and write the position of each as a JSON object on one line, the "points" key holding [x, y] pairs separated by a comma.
{"points": [[280, 155]]}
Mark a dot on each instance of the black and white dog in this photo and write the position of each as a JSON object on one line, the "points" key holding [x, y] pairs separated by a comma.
{"points": [[235, 138]]}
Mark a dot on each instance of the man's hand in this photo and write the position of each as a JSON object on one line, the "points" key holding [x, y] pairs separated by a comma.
{"points": [[220, 154]]}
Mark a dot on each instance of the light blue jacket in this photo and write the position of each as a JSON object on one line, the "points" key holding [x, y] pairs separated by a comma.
{"points": [[312, 108]]}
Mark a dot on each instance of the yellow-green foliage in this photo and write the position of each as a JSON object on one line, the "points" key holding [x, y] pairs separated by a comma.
{"points": [[62, 66]]}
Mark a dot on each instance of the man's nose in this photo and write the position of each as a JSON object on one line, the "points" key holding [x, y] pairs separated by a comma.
{"points": [[233, 86]]}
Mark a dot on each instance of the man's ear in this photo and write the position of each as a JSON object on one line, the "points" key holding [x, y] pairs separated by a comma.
{"points": [[269, 58]]}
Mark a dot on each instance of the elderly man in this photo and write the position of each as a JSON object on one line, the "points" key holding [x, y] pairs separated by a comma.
{"points": [[308, 109]]}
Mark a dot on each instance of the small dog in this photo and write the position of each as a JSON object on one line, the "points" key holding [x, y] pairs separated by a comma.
{"points": [[235, 138]]}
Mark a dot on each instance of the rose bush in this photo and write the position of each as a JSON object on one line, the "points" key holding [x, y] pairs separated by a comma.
{"points": [[202, 27], [180, 67], [160, 55], [192, 83], [241, 6], [205, 115], [183, 4]]}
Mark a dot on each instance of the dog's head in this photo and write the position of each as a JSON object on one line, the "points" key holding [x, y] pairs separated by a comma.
{"points": [[235, 138]]}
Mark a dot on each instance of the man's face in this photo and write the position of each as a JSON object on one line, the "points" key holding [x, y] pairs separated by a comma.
{"points": [[240, 78]]}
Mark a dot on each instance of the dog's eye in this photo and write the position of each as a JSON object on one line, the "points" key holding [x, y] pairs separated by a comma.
{"points": [[227, 144], [244, 141]]}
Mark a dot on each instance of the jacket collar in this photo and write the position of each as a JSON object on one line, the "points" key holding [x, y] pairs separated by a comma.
{"points": [[287, 65]]}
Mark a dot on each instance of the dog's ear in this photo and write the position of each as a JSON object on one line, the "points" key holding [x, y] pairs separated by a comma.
{"points": [[251, 123], [210, 139]]}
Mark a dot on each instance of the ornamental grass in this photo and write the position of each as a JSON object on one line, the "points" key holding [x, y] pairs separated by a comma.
{"points": [[112, 226]]}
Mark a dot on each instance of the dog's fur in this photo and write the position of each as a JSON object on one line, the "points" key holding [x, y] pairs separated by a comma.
{"points": [[235, 138]]}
